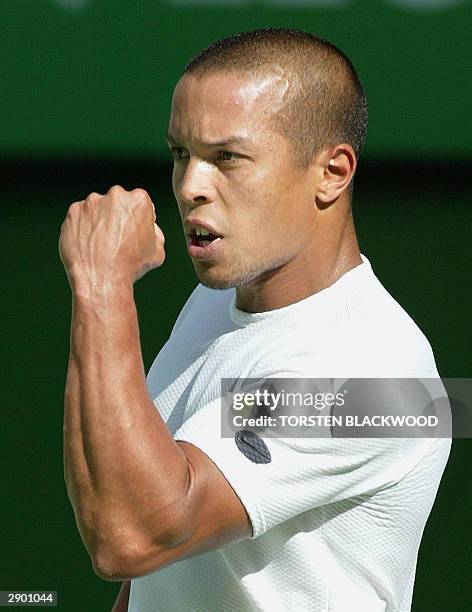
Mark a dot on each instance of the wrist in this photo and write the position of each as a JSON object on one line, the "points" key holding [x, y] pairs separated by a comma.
{"points": [[99, 287]]}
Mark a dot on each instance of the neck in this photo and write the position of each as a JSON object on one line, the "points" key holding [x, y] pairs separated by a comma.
{"points": [[317, 266]]}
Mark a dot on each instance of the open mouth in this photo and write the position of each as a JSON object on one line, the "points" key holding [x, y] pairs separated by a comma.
{"points": [[202, 238]]}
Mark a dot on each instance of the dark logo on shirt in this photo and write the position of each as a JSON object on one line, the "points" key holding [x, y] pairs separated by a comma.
{"points": [[252, 447]]}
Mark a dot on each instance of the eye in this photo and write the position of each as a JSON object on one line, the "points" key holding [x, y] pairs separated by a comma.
{"points": [[179, 153], [228, 156]]}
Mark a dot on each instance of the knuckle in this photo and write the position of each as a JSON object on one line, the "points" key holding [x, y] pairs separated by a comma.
{"points": [[73, 209], [93, 197], [115, 190], [140, 194]]}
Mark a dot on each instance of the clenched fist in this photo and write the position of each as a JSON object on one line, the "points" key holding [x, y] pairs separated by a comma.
{"points": [[111, 238]]}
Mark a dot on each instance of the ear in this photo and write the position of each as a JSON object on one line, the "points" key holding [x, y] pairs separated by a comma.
{"points": [[338, 166]]}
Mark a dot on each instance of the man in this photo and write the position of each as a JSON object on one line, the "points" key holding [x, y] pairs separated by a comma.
{"points": [[266, 128]]}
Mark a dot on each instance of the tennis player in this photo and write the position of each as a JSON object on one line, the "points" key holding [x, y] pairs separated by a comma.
{"points": [[266, 129]]}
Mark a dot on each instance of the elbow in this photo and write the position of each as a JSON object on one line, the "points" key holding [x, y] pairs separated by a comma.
{"points": [[137, 543], [115, 564], [132, 554], [109, 568], [115, 569]]}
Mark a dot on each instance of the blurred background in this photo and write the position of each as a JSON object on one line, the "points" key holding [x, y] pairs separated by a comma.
{"points": [[84, 104]]}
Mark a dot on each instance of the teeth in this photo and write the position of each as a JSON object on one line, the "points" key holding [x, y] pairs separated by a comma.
{"points": [[201, 232]]}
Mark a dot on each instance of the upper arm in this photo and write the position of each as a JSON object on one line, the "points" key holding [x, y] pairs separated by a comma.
{"points": [[211, 515], [215, 513]]}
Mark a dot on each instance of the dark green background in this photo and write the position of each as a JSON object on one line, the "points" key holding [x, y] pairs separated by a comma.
{"points": [[99, 80], [85, 89]]}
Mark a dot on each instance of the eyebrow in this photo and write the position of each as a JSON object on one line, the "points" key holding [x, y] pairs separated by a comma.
{"points": [[231, 140]]}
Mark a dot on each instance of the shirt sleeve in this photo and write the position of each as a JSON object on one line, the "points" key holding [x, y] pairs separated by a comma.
{"points": [[298, 474]]}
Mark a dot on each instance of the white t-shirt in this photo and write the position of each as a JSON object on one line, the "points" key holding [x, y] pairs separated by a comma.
{"points": [[336, 523]]}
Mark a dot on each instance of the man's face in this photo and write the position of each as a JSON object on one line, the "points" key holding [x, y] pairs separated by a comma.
{"points": [[234, 176]]}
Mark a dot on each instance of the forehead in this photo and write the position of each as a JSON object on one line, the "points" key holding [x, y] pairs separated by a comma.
{"points": [[213, 106]]}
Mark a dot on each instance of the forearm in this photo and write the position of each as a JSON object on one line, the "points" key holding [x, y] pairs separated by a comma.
{"points": [[120, 458]]}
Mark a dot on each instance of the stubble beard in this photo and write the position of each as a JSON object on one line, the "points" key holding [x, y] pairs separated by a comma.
{"points": [[240, 275]]}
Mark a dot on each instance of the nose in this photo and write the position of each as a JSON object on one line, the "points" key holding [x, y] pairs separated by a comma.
{"points": [[194, 185]]}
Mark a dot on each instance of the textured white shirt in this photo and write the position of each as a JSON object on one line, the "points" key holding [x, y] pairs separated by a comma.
{"points": [[336, 523]]}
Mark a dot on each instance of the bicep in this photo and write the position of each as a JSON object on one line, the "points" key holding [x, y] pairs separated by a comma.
{"points": [[214, 515], [216, 512]]}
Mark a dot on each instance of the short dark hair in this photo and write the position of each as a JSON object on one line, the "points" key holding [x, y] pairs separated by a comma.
{"points": [[327, 104]]}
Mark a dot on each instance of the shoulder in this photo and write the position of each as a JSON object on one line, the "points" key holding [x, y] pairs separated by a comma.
{"points": [[370, 336], [383, 336]]}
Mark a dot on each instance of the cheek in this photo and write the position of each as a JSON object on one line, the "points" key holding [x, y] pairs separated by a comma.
{"points": [[263, 204], [257, 217], [257, 192]]}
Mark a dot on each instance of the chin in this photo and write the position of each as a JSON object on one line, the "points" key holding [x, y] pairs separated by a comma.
{"points": [[224, 279], [217, 283]]}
